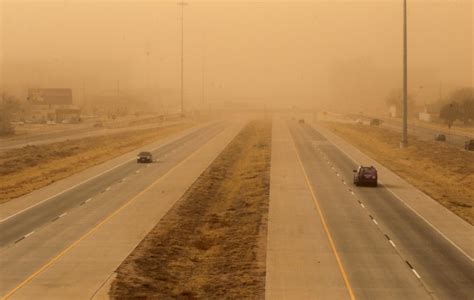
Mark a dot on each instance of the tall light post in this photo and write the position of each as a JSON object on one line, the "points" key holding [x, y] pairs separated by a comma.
{"points": [[182, 3], [203, 62], [404, 141]]}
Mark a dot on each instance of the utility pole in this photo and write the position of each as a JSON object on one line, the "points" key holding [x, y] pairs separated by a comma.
{"points": [[203, 63], [404, 141], [182, 3]]}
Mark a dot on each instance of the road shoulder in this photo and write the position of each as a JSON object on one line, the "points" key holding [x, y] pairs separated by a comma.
{"points": [[454, 229], [19, 204], [95, 256], [300, 262]]}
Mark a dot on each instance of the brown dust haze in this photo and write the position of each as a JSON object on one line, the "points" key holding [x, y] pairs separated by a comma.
{"points": [[278, 54]]}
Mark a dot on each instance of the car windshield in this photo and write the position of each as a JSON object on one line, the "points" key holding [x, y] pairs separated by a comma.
{"points": [[371, 171]]}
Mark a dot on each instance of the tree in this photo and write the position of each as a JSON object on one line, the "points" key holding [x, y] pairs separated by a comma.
{"points": [[449, 113], [8, 106], [460, 107], [465, 98]]}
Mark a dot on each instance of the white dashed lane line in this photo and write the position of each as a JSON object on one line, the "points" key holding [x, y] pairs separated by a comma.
{"points": [[29, 234], [24, 237], [371, 217]]}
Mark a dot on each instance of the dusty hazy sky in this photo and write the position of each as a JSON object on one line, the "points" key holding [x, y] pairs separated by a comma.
{"points": [[274, 52]]}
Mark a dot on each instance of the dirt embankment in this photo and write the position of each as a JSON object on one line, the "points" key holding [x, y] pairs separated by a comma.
{"points": [[212, 243], [444, 172], [32, 167]]}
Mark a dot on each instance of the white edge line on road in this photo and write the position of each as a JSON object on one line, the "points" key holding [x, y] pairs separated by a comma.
{"points": [[400, 199], [115, 212], [62, 192], [93, 177]]}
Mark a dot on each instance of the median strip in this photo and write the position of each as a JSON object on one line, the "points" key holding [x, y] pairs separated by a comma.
{"points": [[212, 243]]}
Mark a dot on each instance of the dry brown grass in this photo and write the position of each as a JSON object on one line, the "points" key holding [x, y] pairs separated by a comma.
{"points": [[212, 243], [32, 167], [444, 172]]}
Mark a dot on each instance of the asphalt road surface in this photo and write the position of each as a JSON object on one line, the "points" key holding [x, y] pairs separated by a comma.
{"points": [[94, 200], [81, 132], [15, 227], [375, 233], [426, 134]]}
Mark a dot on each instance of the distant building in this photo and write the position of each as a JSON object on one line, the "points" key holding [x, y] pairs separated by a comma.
{"points": [[393, 112], [426, 115], [52, 105]]}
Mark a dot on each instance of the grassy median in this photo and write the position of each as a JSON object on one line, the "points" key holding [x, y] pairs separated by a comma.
{"points": [[444, 172], [32, 167], [212, 243]]}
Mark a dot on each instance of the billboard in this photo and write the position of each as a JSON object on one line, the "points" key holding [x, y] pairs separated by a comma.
{"points": [[50, 96]]}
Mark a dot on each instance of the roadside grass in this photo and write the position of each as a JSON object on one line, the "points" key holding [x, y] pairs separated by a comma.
{"points": [[212, 243], [443, 172], [29, 168]]}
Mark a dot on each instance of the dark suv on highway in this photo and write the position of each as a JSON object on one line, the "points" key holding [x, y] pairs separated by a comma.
{"points": [[144, 157], [365, 176]]}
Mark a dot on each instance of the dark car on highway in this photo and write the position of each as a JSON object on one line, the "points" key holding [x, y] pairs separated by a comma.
{"points": [[440, 137], [144, 157], [365, 176], [469, 145]]}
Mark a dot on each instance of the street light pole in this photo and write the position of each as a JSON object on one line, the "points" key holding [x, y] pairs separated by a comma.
{"points": [[182, 55], [404, 141]]}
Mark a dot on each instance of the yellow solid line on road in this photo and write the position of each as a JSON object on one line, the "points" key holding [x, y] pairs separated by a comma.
{"points": [[62, 253], [325, 226]]}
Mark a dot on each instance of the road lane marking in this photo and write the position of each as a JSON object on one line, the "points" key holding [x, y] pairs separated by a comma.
{"points": [[29, 234], [326, 229], [373, 220], [20, 239], [403, 201], [413, 269], [104, 172], [100, 224]]}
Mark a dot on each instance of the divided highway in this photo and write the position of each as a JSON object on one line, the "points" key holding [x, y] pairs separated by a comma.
{"points": [[387, 250], [36, 237], [427, 134], [15, 227]]}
